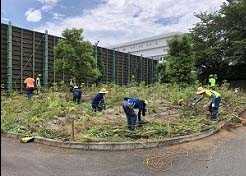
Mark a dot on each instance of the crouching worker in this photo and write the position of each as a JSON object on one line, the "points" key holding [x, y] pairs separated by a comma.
{"points": [[215, 101], [76, 94], [30, 84], [98, 103], [129, 104]]}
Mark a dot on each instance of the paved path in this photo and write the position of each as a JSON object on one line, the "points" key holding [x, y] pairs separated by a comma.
{"points": [[223, 154]]}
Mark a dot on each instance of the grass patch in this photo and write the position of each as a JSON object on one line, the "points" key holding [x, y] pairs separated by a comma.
{"points": [[49, 114]]}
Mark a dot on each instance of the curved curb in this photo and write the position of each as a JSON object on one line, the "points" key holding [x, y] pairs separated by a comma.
{"points": [[114, 146]]}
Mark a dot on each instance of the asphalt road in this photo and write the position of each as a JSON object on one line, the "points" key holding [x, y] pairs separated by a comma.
{"points": [[223, 154]]}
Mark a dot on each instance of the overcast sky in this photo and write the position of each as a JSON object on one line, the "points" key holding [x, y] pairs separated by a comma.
{"points": [[109, 21]]}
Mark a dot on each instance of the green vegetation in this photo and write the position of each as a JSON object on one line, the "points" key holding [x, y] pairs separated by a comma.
{"points": [[50, 113], [219, 42], [216, 45], [74, 57], [178, 64]]}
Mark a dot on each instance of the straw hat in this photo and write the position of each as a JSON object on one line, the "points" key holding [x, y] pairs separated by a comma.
{"points": [[103, 91], [200, 90]]}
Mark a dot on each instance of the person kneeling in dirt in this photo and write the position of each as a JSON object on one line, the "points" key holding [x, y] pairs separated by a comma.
{"points": [[98, 103], [129, 104], [215, 101], [76, 94]]}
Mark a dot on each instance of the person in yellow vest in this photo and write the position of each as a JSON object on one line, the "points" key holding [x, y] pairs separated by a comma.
{"points": [[215, 101], [212, 81]]}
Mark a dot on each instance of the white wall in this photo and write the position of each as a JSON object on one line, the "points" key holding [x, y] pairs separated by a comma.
{"points": [[150, 47]]}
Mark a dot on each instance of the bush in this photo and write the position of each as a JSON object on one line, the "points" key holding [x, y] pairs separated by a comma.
{"points": [[178, 65]]}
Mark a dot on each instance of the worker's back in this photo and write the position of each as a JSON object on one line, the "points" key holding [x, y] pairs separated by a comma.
{"points": [[29, 82]]}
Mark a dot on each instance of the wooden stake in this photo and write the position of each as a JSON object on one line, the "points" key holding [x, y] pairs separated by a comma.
{"points": [[72, 136]]}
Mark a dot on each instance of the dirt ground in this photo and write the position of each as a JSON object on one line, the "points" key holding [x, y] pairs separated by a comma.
{"points": [[199, 152]]}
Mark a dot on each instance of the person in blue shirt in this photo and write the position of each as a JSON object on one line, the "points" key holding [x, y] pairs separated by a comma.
{"points": [[98, 103], [76, 94], [129, 104]]}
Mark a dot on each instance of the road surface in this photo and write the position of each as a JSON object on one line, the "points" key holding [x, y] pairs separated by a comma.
{"points": [[223, 154]]}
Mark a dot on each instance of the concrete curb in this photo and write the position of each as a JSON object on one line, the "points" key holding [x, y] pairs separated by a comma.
{"points": [[114, 146]]}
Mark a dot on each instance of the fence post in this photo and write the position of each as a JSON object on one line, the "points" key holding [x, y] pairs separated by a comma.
{"points": [[152, 71], [9, 57], [122, 71], [33, 54], [107, 67], [72, 135], [129, 68], [21, 54], [114, 80], [54, 72], [141, 71], [104, 67], [155, 71], [147, 74], [46, 59]]}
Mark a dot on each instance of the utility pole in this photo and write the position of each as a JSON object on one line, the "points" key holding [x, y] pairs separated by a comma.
{"points": [[9, 58], [46, 60]]}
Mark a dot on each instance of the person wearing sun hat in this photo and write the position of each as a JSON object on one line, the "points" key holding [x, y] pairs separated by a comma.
{"points": [[77, 93], [215, 101], [129, 104], [98, 103]]}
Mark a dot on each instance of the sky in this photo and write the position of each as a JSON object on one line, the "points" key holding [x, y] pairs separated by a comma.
{"points": [[108, 21]]}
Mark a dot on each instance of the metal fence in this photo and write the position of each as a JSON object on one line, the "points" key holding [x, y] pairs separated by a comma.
{"points": [[25, 52]]}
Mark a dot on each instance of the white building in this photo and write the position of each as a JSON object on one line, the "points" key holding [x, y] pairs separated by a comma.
{"points": [[153, 47]]}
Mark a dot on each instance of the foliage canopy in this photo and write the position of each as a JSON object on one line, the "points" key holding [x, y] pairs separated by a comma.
{"points": [[178, 64], [219, 42], [74, 57]]}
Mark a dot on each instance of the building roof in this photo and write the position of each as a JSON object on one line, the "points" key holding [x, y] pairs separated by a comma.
{"points": [[166, 35]]}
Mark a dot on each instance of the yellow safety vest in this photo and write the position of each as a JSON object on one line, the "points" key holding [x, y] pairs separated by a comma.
{"points": [[211, 93]]}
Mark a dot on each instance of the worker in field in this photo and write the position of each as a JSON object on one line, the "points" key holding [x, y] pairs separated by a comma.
{"points": [[38, 83], [215, 101], [30, 85], [98, 102], [129, 104], [212, 81], [77, 94]]}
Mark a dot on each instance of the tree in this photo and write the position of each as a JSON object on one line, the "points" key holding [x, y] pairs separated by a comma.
{"points": [[219, 42], [74, 57], [178, 64]]}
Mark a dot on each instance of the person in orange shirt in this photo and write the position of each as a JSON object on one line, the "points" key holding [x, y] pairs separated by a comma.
{"points": [[30, 84]]}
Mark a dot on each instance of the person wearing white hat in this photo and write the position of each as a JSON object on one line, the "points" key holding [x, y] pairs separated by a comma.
{"points": [[98, 103], [215, 101], [38, 83], [77, 94], [129, 104]]}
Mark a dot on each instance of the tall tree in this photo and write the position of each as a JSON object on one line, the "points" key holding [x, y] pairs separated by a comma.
{"points": [[178, 64], [219, 42], [75, 58]]}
